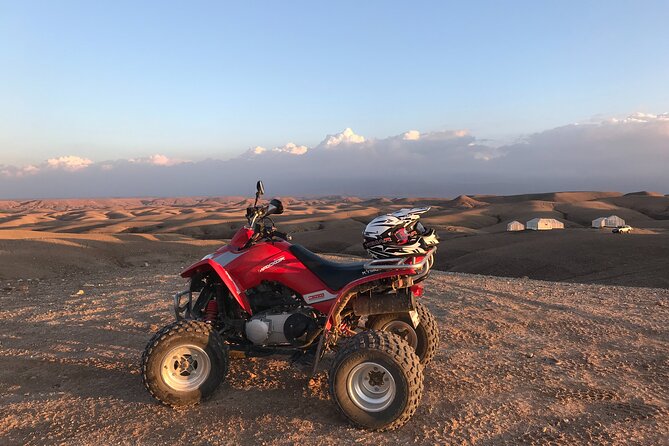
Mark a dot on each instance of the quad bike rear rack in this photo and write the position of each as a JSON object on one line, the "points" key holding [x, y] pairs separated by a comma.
{"points": [[399, 263]]}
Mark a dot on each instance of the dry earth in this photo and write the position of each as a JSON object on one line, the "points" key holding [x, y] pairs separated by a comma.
{"points": [[521, 362]]}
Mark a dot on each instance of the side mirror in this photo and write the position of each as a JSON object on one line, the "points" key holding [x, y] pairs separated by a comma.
{"points": [[275, 207], [260, 189]]}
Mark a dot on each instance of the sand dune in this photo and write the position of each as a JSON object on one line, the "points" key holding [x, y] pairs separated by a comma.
{"points": [[472, 229], [654, 207], [563, 197], [465, 202], [644, 193]]}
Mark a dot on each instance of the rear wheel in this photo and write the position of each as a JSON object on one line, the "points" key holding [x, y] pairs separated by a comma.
{"points": [[376, 380], [424, 338], [184, 363]]}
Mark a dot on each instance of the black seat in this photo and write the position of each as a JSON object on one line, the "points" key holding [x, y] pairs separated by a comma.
{"points": [[334, 275]]}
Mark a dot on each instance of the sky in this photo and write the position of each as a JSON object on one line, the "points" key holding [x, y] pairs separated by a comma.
{"points": [[91, 84]]}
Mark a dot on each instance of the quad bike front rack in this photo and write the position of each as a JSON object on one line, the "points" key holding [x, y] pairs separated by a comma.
{"points": [[183, 310]]}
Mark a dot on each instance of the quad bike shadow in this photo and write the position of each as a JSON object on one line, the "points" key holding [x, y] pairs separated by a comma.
{"points": [[260, 295]]}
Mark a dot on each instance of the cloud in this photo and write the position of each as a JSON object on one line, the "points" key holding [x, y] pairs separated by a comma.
{"points": [[70, 162], [162, 160], [290, 148], [347, 137], [157, 160], [293, 149], [613, 154], [641, 117], [633, 150], [411, 135], [12, 171]]}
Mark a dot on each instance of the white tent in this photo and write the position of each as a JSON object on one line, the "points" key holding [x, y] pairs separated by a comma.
{"points": [[599, 222], [613, 221], [544, 224], [515, 226]]}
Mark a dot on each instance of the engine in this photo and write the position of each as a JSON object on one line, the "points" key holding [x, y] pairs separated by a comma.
{"points": [[280, 317], [270, 296], [297, 328]]}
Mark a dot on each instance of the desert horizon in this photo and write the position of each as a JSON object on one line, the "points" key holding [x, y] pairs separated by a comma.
{"points": [[86, 198]]}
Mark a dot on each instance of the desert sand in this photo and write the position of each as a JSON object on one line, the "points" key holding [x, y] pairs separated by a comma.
{"points": [[39, 236], [84, 284]]}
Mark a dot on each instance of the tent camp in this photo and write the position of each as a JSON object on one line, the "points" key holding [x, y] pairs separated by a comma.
{"points": [[515, 226], [544, 224]]}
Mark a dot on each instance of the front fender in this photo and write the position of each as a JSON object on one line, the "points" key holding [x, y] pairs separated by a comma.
{"points": [[208, 265]]}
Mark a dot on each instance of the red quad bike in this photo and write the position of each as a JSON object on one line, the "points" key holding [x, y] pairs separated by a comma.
{"points": [[262, 295]]}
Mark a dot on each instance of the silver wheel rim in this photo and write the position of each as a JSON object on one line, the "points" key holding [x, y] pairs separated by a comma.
{"points": [[185, 368], [404, 330], [371, 387]]}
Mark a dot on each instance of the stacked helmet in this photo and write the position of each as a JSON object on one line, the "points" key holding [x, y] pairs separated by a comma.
{"points": [[399, 234]]}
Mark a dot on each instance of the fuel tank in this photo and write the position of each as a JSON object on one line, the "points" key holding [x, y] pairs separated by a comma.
{"points": [[242, 269]]}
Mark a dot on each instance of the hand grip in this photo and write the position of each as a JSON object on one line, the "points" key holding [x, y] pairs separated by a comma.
{"points": [[283, 235]]}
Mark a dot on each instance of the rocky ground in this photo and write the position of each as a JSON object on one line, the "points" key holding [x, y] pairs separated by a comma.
{"points": [[521, 362]]}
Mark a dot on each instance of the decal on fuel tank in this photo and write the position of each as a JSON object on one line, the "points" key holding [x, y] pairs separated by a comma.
{"points": [[271, 264]]}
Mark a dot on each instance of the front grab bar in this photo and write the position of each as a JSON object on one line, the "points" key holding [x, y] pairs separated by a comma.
{"points": [[183, 310]]}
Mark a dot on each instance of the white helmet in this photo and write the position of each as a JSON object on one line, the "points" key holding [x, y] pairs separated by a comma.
{"points": [[399, 234]]}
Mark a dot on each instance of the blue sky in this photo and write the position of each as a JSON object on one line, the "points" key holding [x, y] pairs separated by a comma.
{"points": [[110, 80]]}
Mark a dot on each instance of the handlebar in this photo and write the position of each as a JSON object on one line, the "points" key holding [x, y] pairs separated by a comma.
{"points": [[254, 212], [256, 216]]}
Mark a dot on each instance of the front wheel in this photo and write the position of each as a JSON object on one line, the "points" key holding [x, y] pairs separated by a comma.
{"points": [[376, 380], [424, 338], [184, 363]]}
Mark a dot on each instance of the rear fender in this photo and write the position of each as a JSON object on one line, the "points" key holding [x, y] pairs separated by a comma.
{"points": [[209, 266], [402, 279], [399, 279]]}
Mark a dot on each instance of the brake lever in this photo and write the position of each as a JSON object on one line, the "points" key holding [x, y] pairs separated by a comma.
{"points": [[282, 235]]}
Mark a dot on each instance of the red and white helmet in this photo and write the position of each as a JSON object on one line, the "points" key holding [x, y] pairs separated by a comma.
{"points": [[399, 234]]}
